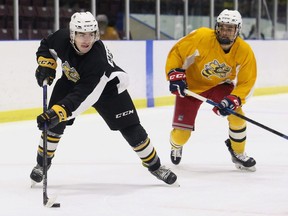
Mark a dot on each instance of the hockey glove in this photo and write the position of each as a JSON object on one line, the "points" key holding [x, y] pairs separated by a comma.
{"points": [[229, 102], [52, 117], [46, 70], [177, 79]]}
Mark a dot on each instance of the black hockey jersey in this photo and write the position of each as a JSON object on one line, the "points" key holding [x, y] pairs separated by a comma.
{"points": [[85, 78]]}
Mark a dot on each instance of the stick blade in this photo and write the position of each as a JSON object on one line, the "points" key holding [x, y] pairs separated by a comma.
{"points": [[51, 203]]}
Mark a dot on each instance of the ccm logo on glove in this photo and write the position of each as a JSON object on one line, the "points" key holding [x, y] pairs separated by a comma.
{"points": [[46, 70], [52, 117], [47, 62], [177, 76], [177, 79]]}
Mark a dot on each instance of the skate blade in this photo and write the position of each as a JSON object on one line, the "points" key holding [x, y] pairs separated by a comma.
{"points": [[175, 184], [242, 168]]}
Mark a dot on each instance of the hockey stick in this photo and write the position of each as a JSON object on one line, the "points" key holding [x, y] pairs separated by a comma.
{"points": [[46, 201], [201, 98]]}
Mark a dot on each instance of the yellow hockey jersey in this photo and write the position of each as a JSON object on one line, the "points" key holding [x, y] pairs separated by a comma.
{"points": [[207, 65]]}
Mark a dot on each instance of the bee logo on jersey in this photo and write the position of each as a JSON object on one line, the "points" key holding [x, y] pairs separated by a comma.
{"points": [[70, 72], [214, 68]]}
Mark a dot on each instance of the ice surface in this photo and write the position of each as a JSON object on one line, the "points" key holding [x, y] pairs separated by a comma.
{"points": [[95, 172]]}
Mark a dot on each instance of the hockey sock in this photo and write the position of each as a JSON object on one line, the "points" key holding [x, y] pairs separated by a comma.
{"points": [[52, 143], [148, 155]]}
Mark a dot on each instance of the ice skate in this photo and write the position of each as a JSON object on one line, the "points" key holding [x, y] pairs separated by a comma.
{"points": [[165, 175], [241, 161], [176, 154], [37, 174]]}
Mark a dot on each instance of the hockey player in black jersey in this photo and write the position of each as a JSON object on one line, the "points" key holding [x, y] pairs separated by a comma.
{"points": [[90, 78]]}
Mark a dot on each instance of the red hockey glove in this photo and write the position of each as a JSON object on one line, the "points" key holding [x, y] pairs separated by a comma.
{"points": [[229, 102], [177, 79], [52, 117], [46, 70]]}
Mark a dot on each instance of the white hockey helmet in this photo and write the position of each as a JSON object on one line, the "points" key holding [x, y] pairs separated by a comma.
{"points": [[83, 22], [230, 17]]}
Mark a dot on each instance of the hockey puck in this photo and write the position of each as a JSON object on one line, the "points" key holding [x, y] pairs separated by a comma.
{"points": [[56, 205]]}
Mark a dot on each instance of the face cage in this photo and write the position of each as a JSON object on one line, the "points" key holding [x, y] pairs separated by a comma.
{"points": [[226, 41], [72, 40], [73, 34]]}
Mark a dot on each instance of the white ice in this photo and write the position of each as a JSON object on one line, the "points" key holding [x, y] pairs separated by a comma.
{"points": [[95, 172]]}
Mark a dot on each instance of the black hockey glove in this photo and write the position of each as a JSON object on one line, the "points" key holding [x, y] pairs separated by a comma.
{"points": [[231, 102], [52, 117], [177, 78], [46, 70]]}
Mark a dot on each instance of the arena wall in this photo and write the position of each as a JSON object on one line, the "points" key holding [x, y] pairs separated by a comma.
{"points": [[21, 98]]}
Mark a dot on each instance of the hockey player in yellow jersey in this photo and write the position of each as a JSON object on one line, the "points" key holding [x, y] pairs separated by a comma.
{"points": [[218, 65]]}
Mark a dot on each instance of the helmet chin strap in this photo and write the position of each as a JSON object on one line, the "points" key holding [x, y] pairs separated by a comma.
{"points": [[72, 41], [75, 48]]}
